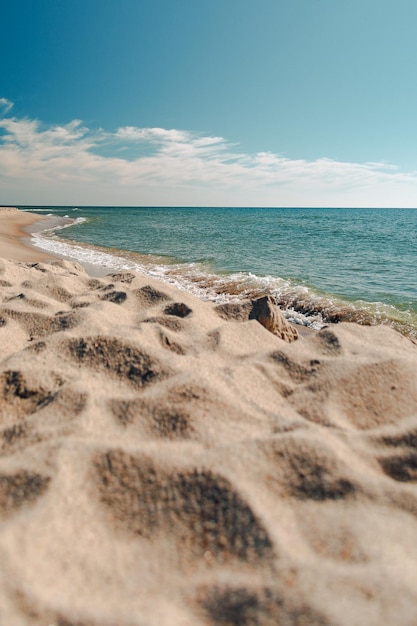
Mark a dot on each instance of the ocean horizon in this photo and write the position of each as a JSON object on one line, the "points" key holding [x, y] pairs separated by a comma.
{"points": [[322, 265]]}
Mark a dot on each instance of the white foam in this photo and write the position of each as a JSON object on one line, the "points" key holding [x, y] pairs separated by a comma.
{"points": [[36, 210], [82, 254], [73, 222]]}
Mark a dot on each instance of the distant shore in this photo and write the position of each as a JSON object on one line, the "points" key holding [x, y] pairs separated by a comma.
{"points": [[15, 240], [16, 226]]}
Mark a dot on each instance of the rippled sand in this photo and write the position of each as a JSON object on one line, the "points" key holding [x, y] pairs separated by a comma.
{"points": [[165, 461]]}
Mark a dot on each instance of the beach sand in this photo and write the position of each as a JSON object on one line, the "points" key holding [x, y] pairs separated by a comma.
{"points": [[168, 462], [14, 240]]}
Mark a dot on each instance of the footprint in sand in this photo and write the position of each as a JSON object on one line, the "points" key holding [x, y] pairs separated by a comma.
{"points": [[116, 357], [197, 506], [19, 489]]}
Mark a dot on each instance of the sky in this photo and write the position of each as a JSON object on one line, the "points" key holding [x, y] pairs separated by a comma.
{"points": [[208, 103]]}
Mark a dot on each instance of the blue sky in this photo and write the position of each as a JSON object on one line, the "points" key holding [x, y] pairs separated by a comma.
{"points": [[214, 102]]}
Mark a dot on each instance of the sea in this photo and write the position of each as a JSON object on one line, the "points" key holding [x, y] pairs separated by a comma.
{"points": [[321, 265]]}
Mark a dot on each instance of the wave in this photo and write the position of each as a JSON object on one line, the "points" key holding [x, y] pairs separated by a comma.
{"points": [[36, 210], [60, 226], [299, 303]]}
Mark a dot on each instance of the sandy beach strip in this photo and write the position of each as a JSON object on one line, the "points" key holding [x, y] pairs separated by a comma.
{"points": [[171, 462], [15, 240]]}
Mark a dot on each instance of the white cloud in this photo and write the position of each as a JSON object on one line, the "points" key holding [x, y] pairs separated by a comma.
{"points": [[65, 165], [6, 105], [153, 135]]}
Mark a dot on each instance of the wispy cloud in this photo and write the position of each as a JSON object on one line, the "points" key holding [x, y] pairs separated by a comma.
{"points": [[64, 164], [5, 105]]}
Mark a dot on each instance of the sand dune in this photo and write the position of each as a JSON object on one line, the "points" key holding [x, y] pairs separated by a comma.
{"points": [[168, 462]]}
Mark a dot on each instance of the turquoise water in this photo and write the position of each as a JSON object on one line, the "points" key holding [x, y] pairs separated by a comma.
{"points": [[320, 264]]}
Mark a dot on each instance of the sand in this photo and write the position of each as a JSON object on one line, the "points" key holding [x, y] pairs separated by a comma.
{"points": [[15, 240], [169, 462]]}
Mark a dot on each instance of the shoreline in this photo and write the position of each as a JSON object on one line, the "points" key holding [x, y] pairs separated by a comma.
{"points": [[309, 311], [16, 228], [15, 238], [306, 309]]}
